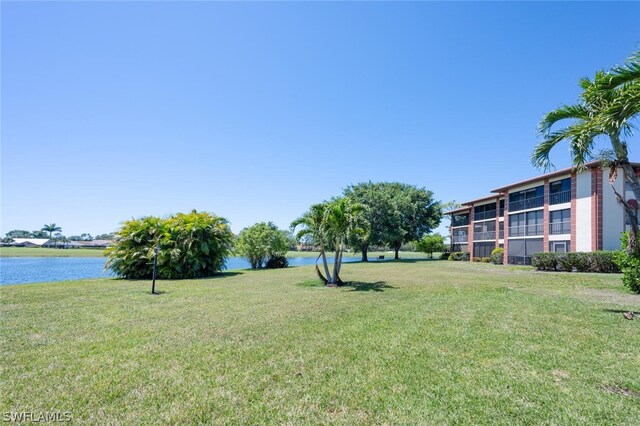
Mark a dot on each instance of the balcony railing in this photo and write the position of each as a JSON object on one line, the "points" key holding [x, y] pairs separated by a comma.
{"points": [[460, 222], [460, 238], [529, 203], [560, 197], [488, 235], [524, 231], [560, 228], [491, 214]]}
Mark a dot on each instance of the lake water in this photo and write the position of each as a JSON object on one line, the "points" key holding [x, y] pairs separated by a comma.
{"points": [[23, 270]]}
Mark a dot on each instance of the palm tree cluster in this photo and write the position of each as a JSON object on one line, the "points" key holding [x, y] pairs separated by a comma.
{"points": [[607, 107], [331, 225]]}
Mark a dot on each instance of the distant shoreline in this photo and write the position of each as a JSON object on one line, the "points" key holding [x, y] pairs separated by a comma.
{"points": [[83, 252]]}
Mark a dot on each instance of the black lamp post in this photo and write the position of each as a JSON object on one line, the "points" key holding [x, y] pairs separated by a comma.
{"points": [[155, 267]]}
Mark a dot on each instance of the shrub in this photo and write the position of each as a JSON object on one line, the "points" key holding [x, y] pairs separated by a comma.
{"points": [[193, 245], [629, 265], [497, 256], [599, 261], [545, 261], [485, 259], [445, 255], [277, 261], [476, 259], [458, 256], [261, 242]]}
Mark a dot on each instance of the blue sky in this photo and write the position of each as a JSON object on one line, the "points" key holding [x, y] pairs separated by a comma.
{"points": [[254, 111]]}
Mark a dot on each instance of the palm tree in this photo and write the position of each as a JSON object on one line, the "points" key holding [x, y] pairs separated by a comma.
{"points": [[313, 225], [51, 228], [331, 225], [606, 107]]}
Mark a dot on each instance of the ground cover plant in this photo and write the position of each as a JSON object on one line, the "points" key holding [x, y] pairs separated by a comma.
{"points": [[408, 342]]}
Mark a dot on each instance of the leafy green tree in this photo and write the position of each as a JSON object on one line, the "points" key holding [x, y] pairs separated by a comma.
{"points": [[39, 234], [606, 107], [110, 236], [192, 245], [51, 228], [419, 215], [397, 213], [331, 224], [381, 214], [261, 242], [18, 233], [431, 243]]}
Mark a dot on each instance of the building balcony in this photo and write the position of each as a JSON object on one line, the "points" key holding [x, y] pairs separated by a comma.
{"points": [[559, 228], [526, 231], [491, 214], [489, 235], [460, 238], [529, 203], [560, 197]]}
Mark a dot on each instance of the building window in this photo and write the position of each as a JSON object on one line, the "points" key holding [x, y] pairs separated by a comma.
{"points": [[484, 230], [560, 246], [560, 191], [501, 213], [560, 222], [529, 199], [460, 235], [501, 231], [486, 211], [460, 219], [520, 251], [526, 224], [483, 249], [460, 247]]}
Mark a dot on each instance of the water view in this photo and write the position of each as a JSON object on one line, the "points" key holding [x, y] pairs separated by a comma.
{"points": [[24, 270]]}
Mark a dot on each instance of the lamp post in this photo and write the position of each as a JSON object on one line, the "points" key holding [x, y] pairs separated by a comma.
{"points": [[155, 267]]}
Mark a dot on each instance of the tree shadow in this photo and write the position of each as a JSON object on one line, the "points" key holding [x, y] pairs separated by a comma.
{"points": [[621, 311], [374, 261], [362, 286]]}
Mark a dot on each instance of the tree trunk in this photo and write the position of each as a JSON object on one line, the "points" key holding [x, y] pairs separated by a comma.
{"points": [[324, 263], [365, 248], [397, 250], [335, 267], [633, 244]]}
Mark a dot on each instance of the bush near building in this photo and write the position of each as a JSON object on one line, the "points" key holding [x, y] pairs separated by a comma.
{"points": [[597, 261]]}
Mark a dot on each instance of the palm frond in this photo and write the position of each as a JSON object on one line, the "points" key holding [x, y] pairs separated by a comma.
{"points": [[565, 112]]}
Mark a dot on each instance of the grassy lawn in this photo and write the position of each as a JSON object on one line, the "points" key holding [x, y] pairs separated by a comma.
{"points": [[49, 252], [410, 342]]}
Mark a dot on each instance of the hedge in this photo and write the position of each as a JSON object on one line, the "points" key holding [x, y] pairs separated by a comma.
{"points": [[597, 261]]}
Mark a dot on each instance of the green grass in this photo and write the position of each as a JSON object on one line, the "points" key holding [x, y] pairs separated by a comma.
{"points": [[372, 255], [409, 342], [49, 252]]}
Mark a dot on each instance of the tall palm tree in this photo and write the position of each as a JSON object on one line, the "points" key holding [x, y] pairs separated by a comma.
{"points": [[312, 224], [51, 228], [331, 225], [604, 109]]}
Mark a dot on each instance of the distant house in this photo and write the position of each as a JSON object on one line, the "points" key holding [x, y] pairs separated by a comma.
{"points": [[95, 243], [32, 242]]}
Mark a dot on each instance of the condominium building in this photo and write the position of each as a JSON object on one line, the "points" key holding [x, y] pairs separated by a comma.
{"points": [[559, 212]]}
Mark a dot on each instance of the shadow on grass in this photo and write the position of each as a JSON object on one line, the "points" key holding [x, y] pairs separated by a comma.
{"points": [[362, 286], [621, 311], [374, 261]]}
